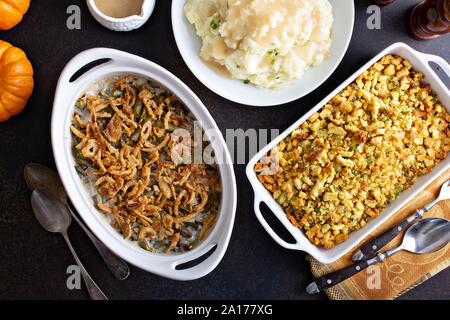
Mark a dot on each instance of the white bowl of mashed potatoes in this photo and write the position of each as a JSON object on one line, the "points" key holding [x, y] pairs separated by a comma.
{"points": [[262, 52]]}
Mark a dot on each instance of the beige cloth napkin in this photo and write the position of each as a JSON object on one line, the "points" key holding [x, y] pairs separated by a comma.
{"points": [[400, 272]]}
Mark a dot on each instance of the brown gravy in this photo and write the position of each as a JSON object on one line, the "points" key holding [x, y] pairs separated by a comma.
{"points": [[218, 69], [119, 8]]}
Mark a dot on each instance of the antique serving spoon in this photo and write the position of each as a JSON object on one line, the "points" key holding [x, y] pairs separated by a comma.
{"points": [[54, 217], [424, 236], [39, 176]]}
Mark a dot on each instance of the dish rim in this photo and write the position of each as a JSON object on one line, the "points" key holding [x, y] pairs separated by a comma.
{"points": [[67, 92], [355, 237], [262, 96]]}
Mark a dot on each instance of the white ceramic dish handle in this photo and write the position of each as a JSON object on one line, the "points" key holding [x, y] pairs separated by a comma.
{"points": [[200, 269], [270, 231], [83, 59], [168, 263], [436, 59]]}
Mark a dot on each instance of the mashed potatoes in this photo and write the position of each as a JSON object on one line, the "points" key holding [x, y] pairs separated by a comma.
{"points": [[269, 43]]}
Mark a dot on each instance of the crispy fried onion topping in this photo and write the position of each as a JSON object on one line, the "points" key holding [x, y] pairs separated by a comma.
{"points": [[126, 145]]}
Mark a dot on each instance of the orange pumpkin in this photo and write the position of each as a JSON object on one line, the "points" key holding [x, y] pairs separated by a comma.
{"points": [[11, 12], [16, 80]]}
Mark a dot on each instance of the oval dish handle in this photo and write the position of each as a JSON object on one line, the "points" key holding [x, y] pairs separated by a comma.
{"points": [[168, 266], [218, 242], [200, 269], [79, 61], [269, 229], [86, 57]]}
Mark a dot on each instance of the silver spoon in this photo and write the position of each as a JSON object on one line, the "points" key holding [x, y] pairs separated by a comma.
{"points": [[54, 217], [424, 236], [39, 176]]}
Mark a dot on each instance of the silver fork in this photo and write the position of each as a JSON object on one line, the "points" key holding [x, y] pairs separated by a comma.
{"points": [[372, 246]]}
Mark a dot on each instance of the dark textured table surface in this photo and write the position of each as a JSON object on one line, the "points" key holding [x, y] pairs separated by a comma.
{"points": [[33, 262]]}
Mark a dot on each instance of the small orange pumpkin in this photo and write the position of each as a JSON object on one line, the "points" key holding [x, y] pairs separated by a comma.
{"points": [[11, 12], [16, 80]]}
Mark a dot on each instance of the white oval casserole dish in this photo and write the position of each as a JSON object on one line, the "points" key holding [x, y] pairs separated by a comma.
{"points": [[67, 92], [420, 63]]}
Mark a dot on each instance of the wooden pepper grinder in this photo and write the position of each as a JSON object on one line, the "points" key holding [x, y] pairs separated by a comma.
{"points": [[429, 19], [381, 2]]}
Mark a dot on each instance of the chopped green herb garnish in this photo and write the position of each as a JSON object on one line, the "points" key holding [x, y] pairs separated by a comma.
{"points": [[432, 93], [295, 43], [306, 42], [398, 191], [272, 62], [213, 24], [357, 173], [80, 103], [269, 53], [246, 81]]}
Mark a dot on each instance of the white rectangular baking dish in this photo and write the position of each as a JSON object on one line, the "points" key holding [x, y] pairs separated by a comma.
{"points": [[68, 91], [420, 62]]}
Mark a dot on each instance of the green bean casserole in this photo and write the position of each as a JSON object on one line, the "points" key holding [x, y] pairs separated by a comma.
{"points": [[124, 144]]}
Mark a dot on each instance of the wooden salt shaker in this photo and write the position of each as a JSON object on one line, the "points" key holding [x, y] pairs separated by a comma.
{"points": [[429, 19]]}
